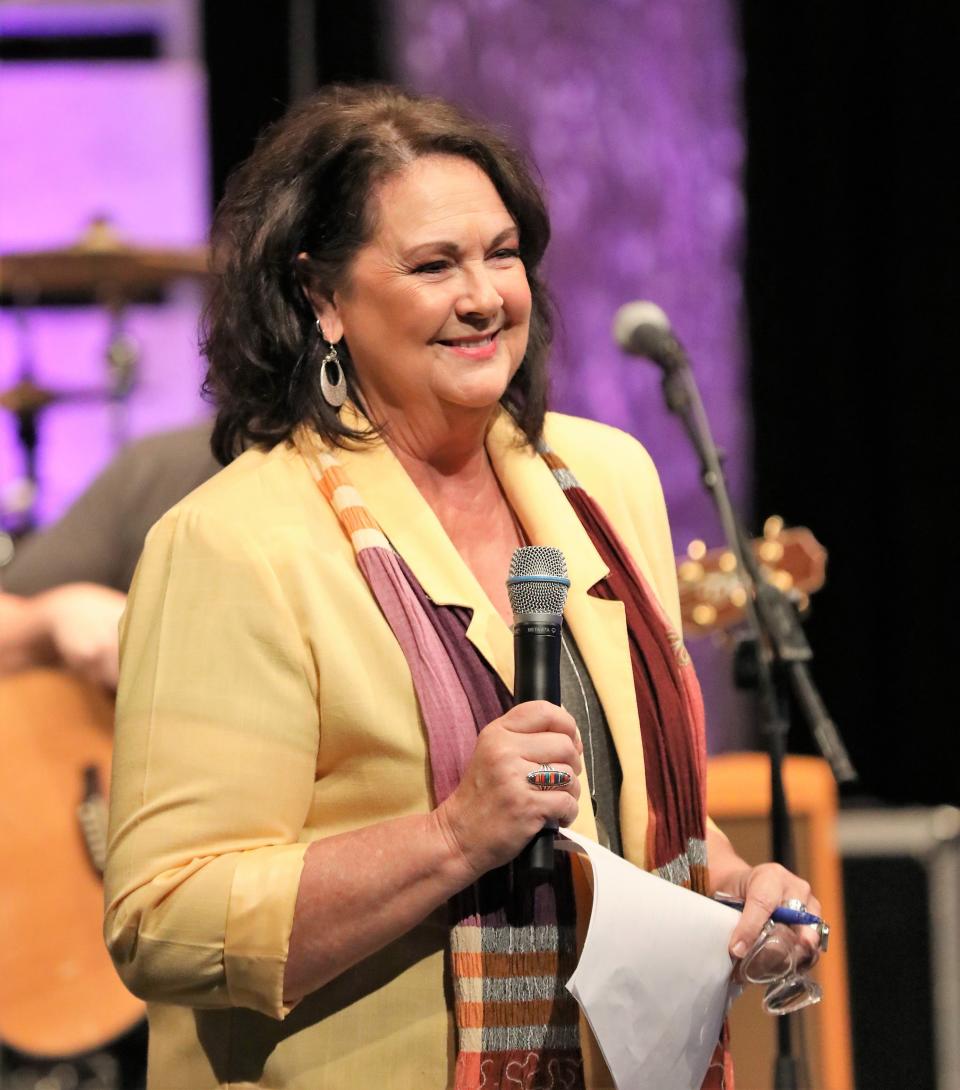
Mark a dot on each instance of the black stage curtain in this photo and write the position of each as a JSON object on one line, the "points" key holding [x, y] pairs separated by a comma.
{"points": [[250, 54], [852, 296]]}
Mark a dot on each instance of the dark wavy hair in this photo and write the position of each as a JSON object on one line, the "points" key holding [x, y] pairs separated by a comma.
{"points": [[306, 189]]}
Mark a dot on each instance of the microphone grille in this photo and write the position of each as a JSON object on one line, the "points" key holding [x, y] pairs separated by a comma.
{"points": [[538, 580], [642, 328], [632, 316]]}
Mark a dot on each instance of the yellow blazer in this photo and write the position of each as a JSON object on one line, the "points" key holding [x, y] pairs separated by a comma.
{"points": [[264, 702]]}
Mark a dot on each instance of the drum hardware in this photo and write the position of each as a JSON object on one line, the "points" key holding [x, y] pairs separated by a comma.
{"points": [[26, 401]]}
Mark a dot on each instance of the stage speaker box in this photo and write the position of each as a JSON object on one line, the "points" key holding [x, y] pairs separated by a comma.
{"points": [[738, 800], [901, 870]]}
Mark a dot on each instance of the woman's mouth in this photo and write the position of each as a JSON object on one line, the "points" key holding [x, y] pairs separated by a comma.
{"points": [[480, 347]]}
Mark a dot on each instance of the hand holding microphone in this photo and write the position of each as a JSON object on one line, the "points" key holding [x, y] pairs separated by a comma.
{"points": [[521, 783]]}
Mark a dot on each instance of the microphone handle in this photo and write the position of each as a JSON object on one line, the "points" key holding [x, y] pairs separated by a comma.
{"points": [[536, 661]]}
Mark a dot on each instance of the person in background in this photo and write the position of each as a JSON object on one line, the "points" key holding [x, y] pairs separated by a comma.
{"points": [[62, 594], [319, 780], [61, 598]]}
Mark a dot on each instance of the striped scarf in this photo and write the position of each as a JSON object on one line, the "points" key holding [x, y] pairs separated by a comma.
{"points": [[512, 949]]}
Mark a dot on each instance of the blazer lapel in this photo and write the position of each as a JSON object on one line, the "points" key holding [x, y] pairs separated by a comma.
{"points": [[416, 533], [548, 519], [599, 627]]}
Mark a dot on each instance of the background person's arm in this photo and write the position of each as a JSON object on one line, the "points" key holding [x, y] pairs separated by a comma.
{"points": [[73, 625], [99, 538], [64, 591]]}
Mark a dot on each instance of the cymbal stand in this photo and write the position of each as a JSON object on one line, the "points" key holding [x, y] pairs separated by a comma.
{"points": [[123, 360], [19, 516]]}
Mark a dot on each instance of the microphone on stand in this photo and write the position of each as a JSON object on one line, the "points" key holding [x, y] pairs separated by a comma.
{"points": [[643, 329], [537, 586]]}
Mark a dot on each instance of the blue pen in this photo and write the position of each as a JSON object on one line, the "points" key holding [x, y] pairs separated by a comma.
{"points": [[781, 914]]}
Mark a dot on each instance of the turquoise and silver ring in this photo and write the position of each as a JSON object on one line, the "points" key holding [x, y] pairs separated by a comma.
{"points": [[547, 778]]}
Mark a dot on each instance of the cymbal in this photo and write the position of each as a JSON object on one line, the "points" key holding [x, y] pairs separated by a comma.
{"points": [[101, 264]]}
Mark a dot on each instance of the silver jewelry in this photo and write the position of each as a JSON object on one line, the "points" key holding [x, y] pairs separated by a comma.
{"points": [[333, 382], [548, 778], [795, 905]]}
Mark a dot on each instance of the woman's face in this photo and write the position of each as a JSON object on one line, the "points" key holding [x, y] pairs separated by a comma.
{"points": [[436, 307]]}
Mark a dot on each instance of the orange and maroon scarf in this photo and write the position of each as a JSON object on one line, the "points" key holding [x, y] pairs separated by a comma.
{"points": [[512, 950]]}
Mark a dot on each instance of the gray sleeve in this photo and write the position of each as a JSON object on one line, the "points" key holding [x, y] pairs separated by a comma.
{"points": [[82, 546], [100, 537]]}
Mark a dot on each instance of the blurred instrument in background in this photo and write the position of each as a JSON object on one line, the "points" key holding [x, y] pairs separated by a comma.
{"points": [[101, 268], [712, 597], [59, 992]]}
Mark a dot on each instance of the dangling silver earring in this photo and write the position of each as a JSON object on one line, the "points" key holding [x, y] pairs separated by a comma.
{"points": [[333, 382]]}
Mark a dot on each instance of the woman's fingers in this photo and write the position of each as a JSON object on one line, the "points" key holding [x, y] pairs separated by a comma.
{"points": [[537, 716], [496, 809], [549, 749], [766, 888], [548, 734]]}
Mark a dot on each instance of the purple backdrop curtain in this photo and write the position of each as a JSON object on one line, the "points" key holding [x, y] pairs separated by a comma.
{"points": [[631, 109]]}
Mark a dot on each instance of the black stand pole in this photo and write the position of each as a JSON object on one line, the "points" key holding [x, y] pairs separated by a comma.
{"points": [[782, 652]]}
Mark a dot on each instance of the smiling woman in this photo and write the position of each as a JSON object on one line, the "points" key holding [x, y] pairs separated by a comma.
{"points": [[320, 782], [435, 311], [311, 205]]}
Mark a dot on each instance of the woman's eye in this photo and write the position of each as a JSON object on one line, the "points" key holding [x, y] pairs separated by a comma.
{"points": [[433, 267], [508, 253]]}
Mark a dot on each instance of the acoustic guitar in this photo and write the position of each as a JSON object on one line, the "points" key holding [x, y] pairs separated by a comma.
{"points": [[59, 993], [712, 596]]}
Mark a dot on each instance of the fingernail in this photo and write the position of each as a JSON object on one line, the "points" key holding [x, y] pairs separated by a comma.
{"points": [[739, 949], [579, 740]]}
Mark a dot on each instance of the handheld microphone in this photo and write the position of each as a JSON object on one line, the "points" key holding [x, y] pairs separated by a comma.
{"points": [[643, 329], [537, 586]]}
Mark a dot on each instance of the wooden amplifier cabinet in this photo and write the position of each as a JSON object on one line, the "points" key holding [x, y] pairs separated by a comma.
{"points": [[738, 799]]}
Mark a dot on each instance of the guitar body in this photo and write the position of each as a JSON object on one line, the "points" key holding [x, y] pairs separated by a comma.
{"points": [[59, 992]]}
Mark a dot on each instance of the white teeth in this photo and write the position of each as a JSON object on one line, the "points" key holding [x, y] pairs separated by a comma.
{"points": [[470, 344]]}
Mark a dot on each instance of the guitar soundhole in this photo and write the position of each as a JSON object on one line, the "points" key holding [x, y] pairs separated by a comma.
{"points": [[121, 1066]]}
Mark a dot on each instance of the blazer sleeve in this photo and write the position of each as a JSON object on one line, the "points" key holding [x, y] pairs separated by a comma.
{"points": [[213, 771]]}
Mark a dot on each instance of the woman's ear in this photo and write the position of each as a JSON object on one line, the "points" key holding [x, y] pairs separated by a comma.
{"points": [[328, 315], [324, 304]]}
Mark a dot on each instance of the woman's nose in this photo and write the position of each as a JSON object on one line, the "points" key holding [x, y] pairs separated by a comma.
{"points": [[480, 295]]}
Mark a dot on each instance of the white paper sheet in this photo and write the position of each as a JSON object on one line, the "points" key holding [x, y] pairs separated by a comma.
{"points": [[654, 976]]}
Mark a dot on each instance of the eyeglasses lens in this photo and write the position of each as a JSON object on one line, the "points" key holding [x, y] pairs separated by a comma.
{"points": [[769, 959], [792, 994], [772, 960]]}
